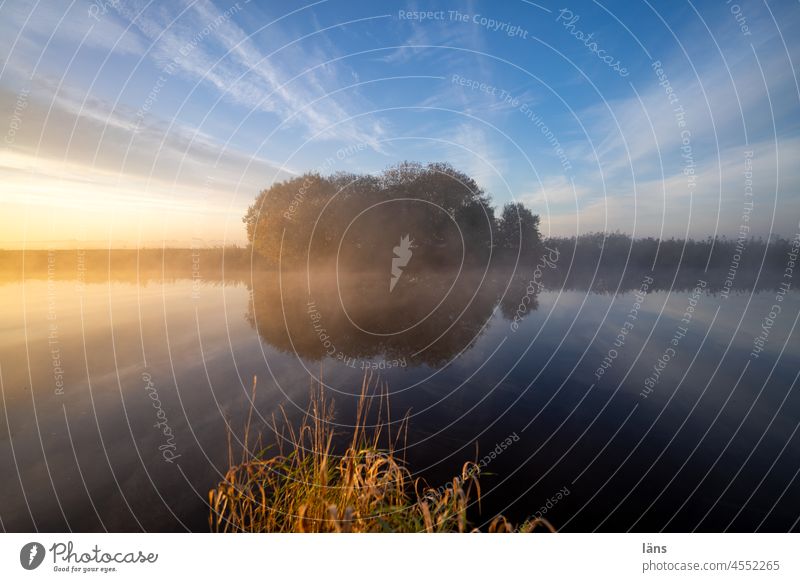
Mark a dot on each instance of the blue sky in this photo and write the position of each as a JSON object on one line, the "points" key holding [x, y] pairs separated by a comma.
{"points": [[138, 122]]}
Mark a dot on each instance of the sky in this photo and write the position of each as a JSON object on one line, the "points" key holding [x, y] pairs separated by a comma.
{"points": [[143, 123]]}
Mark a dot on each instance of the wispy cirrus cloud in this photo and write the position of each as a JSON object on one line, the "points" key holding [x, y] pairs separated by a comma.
{"points": [[646, 142], [296, 80]]}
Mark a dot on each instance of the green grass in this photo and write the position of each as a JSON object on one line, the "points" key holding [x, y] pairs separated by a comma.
{"points": [[305, 487]]}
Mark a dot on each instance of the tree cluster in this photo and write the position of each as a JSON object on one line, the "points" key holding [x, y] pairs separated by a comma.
{"points": [[357, 220]]}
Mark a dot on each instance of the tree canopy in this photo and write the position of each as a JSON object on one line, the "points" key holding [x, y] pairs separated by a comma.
{"points": [[358, 219]]}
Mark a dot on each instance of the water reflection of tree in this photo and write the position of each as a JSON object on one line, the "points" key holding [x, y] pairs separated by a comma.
{"points": [[427, 319]]}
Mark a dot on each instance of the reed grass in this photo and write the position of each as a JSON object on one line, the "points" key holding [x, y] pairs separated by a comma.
{"points": [[305, 486]]}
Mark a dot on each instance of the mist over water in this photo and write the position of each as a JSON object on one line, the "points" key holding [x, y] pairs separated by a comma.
{"points": [[128, 375]]}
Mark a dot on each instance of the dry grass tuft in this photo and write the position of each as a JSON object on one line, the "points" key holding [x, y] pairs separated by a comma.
{"points": [[306, 487]]}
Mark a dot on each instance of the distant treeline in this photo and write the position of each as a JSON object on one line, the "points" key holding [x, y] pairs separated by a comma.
{"points": [[602, 260], [616, 250], [125, 265]]}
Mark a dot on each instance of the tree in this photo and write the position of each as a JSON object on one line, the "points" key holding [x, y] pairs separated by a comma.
{"points": [[518, 233]]}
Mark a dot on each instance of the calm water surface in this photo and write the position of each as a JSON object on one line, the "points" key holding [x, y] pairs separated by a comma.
{"points": [[117, 395]]}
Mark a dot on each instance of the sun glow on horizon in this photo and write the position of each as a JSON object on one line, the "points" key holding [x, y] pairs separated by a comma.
{"points": [[54, 204]]}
